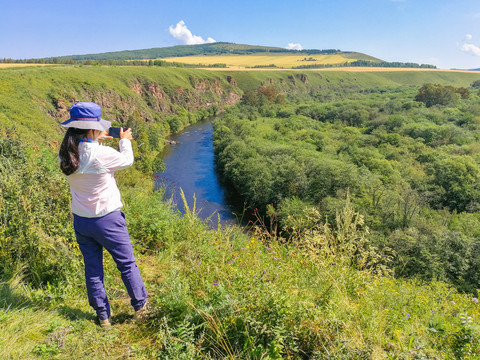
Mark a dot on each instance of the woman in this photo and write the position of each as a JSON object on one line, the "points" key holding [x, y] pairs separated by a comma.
{"points": [[96, 204]]}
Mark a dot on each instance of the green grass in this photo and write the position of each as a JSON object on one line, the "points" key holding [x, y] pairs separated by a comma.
{"points": [[222, 294]]}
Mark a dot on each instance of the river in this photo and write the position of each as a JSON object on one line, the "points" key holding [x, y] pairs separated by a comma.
{"points": [[190, 166]]}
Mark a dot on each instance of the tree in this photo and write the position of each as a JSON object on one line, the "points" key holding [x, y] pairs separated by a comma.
{"points": [[460, 177], [432, 95]]}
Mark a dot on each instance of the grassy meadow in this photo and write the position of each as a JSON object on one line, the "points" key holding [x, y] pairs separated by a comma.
{"points": [[322, 292]]}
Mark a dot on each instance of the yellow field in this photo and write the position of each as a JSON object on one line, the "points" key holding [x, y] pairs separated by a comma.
{"points": [[281, 61], [21, 65]]}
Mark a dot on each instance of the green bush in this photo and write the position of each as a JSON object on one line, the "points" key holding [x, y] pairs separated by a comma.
{"points": [[36, 233]]}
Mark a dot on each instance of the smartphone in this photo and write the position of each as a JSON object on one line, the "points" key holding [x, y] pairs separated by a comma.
{"points": [[115, 132]]}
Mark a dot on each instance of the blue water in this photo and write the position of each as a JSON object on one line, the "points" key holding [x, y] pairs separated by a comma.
{"points": [[190, 166]]}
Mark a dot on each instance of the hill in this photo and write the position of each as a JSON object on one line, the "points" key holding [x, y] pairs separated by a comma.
{"points": [[219, 48], [216, 55]]}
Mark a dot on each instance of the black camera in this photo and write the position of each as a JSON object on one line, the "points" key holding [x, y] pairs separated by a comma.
{"points": [[115, 132]]}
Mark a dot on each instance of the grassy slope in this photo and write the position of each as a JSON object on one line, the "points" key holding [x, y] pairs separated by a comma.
{"points": [[330, 302], [250, 80]]}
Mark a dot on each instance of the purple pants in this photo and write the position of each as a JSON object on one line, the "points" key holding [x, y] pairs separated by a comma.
{"points": [[109, 232]]}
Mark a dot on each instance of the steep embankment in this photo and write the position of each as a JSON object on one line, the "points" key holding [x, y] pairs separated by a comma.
{"points": [[37, 99]]}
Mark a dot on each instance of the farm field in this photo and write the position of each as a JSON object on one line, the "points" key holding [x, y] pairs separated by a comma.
{"points": [[3, 66], [282, 61]]}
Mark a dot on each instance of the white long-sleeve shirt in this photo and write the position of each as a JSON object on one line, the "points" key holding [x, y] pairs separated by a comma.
{"points": [[93, 186]]}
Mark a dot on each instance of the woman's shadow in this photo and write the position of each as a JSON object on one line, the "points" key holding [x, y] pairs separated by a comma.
{"points": [[11, 300]]}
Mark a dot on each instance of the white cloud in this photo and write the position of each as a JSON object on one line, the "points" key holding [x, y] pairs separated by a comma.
{"points": [[474, 49], [294, 46], [470, 48], [182, 33]]}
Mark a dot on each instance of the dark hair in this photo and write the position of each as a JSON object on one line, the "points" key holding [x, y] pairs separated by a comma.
{"points": [[69, 157]]}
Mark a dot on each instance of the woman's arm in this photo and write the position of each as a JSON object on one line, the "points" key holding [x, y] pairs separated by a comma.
{"points": [[113, 160]]}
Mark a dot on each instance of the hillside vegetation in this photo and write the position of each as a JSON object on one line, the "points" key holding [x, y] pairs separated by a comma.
{"points": [[408, 157], [218, 48], [325, 292]]}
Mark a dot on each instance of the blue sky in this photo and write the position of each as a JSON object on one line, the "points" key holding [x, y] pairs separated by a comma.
{"points": [[443, 33]]}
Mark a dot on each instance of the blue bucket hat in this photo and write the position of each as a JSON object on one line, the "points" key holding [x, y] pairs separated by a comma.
{"points": [[86, 115]]}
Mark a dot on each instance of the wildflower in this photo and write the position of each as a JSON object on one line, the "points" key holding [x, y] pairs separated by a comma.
{"points": [[215, 282], [407, 315], [276, 275], [453, 302], [275, 258], [475, 300]]}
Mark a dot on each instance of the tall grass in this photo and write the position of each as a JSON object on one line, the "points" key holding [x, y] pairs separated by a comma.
{"points": [[227, 295]]}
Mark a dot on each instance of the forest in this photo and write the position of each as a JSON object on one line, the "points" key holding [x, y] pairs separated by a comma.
{"points": [[407, 157]]}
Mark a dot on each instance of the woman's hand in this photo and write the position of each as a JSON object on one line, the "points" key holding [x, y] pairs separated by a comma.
{"points": [[102, 136], [127, 134]]}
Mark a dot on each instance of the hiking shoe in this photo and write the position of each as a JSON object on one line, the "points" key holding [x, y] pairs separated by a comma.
{"points": [[142, 314], [105, 323]]}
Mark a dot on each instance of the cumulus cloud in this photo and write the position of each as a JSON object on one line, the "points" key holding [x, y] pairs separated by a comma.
{"points": [[474, 49], [469, 47], [183, 34], [294, 46]]}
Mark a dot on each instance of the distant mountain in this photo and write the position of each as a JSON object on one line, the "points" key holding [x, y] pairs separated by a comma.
{"points": [[219, 48]]}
